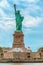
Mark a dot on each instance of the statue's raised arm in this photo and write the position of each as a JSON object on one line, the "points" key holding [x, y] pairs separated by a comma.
{"points": [[15, 8]]}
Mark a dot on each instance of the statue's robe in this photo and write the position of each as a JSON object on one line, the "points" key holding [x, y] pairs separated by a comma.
{"points": [[19, 20]]}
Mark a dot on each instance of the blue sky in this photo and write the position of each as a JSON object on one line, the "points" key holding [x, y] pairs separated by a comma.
{"points": [[32, 10]]}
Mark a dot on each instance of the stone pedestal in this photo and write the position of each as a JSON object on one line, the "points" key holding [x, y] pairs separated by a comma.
{"points": [[18, 40]]}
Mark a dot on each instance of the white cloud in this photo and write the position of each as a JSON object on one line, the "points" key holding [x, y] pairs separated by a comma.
{"points": [[30, 1], [30, 21], [29, 8], [16, 1], [7, 24], [27, 1], [4, 4], [2, 14]]}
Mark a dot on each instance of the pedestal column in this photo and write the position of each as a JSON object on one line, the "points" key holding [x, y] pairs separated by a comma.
{"points": [[18, 40]]}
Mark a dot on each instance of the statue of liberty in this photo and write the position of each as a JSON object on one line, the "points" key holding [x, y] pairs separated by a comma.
{"points": [[18, 19]]}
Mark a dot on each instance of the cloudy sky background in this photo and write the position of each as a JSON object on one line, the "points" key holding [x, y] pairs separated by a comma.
{"points": [[32, 10]]}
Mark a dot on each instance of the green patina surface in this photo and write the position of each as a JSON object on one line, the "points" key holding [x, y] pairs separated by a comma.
{"points": [[18, 19]]}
